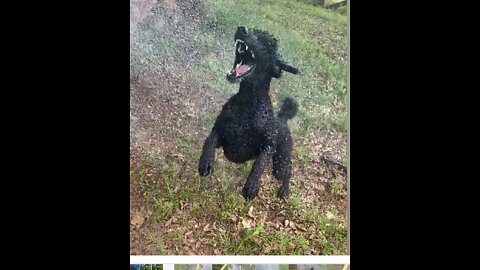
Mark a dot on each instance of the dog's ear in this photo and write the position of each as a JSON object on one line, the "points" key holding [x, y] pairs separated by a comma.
{"points": [[282, 65], [287, 67], [276, 71]]}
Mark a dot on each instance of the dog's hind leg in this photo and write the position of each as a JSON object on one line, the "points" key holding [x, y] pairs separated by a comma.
{"points": [[252, 186], [282, 165], [205, 165]]}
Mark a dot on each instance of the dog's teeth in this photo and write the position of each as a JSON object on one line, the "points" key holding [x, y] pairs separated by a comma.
{"points": [[246, 46]]}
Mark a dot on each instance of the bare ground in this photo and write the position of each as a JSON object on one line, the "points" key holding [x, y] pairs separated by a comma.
{"points": [[166, 106]]}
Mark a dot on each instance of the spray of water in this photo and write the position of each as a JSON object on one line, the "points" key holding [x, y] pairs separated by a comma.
{"points": [[165, 49]]}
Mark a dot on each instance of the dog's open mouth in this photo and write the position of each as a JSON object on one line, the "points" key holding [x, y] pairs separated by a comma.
{"points": [[244, 61]]}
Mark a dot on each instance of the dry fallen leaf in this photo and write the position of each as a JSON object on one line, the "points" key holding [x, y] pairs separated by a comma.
{"points": [[169, 222], [250, 212], [182, 205], [178, 155], [246, 223], [278, 219], [301, 228], [137, 220], [292, 225], [206, 228], [257, 241]]}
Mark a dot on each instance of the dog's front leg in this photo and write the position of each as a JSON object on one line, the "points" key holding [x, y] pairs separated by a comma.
{"points": [[252, 186], [205, 165]]}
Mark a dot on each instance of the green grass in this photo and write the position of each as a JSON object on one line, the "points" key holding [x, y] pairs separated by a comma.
{"points": [[233, 206], [162, 192], [301, 152], [314, 39], [273, 242], [295, 200], [157, 247], [334, 233], [258, 241]]}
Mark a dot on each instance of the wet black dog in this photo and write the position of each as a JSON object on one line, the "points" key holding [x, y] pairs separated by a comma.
{"points": [[247, 127]]}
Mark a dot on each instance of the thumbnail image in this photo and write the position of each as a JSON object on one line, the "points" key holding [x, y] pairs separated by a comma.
{"points": [[146, 266], [280, 267], [193, 267]]}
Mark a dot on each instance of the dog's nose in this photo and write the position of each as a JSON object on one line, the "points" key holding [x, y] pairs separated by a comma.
{"points": [[243, 30]]}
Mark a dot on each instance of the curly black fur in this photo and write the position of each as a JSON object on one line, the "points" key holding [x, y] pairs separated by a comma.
{"points": [[247, 127]]}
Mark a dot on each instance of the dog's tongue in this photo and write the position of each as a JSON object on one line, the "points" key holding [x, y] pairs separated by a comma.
{"points": [[242, 69]]}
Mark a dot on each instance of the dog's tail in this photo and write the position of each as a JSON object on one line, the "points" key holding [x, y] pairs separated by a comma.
{"points": [[288, 109]]}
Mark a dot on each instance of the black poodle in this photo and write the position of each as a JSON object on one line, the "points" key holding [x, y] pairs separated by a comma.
{"points": [[247, 127]]}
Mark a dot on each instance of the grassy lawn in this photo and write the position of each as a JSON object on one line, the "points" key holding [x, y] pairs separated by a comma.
{"points": [[310, 37]]}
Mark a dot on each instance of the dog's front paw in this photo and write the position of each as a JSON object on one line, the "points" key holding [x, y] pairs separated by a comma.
{"points": [[250, 191], [205, 166], [283, 192]]}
